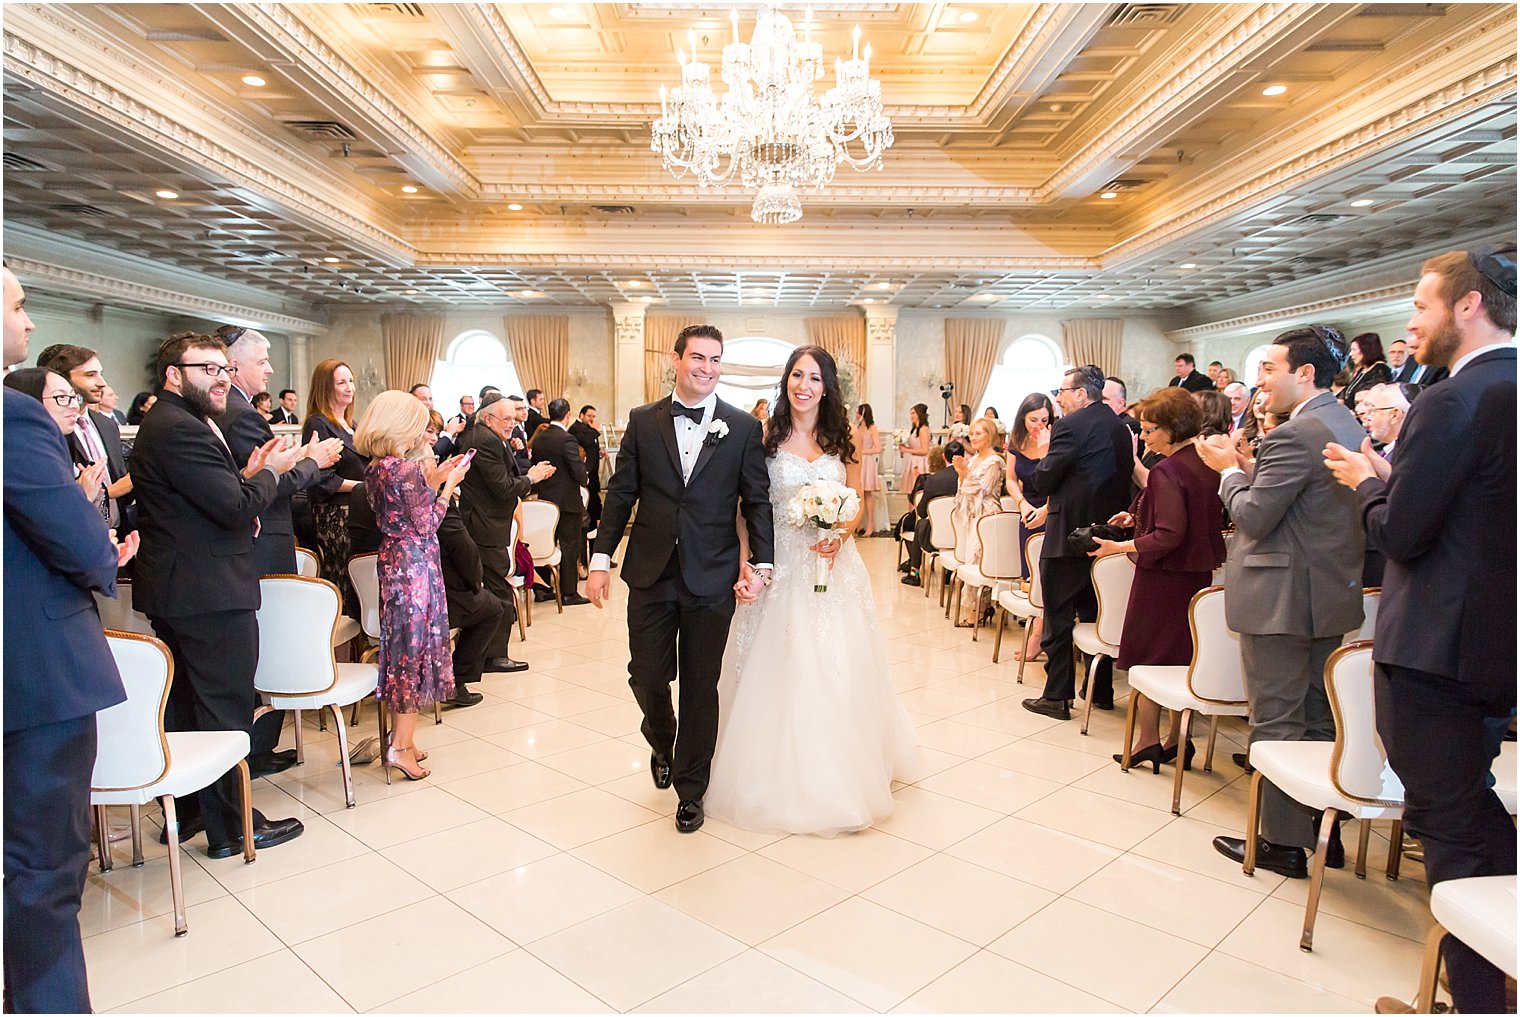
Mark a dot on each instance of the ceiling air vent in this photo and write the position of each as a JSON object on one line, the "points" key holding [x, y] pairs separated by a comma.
{"points": [[1145, 15], [322, 129], [398, 10], [88, 211], [1318, 219], [615, 209], [21, 164]]}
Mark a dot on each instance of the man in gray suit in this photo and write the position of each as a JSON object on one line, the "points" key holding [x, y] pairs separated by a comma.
{"points": [[1293, 579]]}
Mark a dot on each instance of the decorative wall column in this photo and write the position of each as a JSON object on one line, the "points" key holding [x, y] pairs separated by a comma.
{"points": [[627, 359], [300, 366], [881, 364]]}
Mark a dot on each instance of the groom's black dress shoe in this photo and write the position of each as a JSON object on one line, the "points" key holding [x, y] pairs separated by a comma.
{"points": [[1054, 708], [689, 817], [659, 768], [1285, 861], [266, 835]]}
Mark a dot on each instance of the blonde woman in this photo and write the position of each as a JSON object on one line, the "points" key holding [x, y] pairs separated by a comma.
{"points": [[979, 494], [415, 666]]}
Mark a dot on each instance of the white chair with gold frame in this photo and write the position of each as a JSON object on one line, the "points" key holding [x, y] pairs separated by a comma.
{"points": [[1027, 604], [118, 613], [137, 761], [1479, 911], [540, 520], [1112, 577], [1371, 595], [938, 514], [364, 575], [522, 593], [942, 534], [998, 568], [306, 563]]}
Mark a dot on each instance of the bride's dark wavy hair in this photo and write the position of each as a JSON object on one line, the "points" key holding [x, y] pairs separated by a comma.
{"points": [[833, 433]]}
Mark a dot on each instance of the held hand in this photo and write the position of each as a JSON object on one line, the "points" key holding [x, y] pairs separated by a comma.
{"points": [[539, 472], [283, 459], [1108, 547], [1035, 517], [1217, 452], [1122, 519], [323, 453], [127, 548], [828, 547], [259, 456], [744, 589], [1349, 468], [597, 583]]}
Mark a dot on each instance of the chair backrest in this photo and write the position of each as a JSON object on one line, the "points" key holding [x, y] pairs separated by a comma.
{"points": [[131, 750], [1216, 674], [118, 613], [1358, 764], [1032, 548], [306, 563], [965, 538], [1112, 576], [540, 519], [999, 534], [364, 575], [1370, 597], [1009, 503], [296, 622], [941, 526]]}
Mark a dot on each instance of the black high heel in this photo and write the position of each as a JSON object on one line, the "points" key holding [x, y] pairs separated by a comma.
{"points": [[1169, 755], [1153, 754]]}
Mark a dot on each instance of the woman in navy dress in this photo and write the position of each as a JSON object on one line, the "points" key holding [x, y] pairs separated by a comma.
{"points": [[416, 670], [1177, 546], [330, 414], [1027, 444]]}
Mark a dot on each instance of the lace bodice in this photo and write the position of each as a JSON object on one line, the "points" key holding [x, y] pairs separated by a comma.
{"points": [[789, 473]]}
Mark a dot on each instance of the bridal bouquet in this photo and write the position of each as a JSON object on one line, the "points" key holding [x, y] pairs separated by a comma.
{"points": [[825, 504]]}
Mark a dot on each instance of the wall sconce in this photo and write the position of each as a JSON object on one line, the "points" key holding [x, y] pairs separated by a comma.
{"points": [[928, 380], [369, 378], [578, 378]]}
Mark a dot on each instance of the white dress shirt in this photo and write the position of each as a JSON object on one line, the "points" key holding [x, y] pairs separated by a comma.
{"points": [[1236, 469]]}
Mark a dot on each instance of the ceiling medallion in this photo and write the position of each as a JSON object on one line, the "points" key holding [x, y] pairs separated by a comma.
{"points": [[770, 130]]}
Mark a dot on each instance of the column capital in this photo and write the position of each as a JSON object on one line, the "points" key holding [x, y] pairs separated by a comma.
{"points": [[881, 312], [628, 309]]}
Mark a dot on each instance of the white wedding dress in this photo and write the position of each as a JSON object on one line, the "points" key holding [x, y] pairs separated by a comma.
{"points": [[810, 734]]}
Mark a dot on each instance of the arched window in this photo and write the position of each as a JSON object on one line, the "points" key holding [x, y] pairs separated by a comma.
{"points": [[473, 359], [1031, 363], [1253, 365], [752, 369]]}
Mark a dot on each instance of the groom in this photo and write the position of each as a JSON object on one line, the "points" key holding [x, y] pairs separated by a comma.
{"points": [[689, 461]]}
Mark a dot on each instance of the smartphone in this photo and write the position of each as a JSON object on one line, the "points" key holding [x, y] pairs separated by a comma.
{"points": [[469, 456]]}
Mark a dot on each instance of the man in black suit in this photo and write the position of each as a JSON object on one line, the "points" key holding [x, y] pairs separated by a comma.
{"points": [[488, 498], [274, 545], [517, 438], [1086, 476], [1443, 514], [942, 483], [97, 436], [585, 431], [536, 418], [58, 673], [197, 574], [687, 475], [560, 449], [443, 445], [285, 411], [1116, 395], [1188, 376]]}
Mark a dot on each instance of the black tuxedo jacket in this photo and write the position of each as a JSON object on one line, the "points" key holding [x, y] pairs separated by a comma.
{"points": [[57, 663], [558, 448], [246, 429], [1445, 522], [590, 439], [195, 513], [534, 422], [1086, 474], [939, 484], [1194, 382], [730, 474], [283, 416], [491, 490]]}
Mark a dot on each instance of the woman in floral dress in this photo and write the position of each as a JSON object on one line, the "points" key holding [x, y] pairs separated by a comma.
{"points": [[415, 666]]}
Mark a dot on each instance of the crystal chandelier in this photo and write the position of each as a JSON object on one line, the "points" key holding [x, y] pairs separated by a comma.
{"points": [[770, 130]]}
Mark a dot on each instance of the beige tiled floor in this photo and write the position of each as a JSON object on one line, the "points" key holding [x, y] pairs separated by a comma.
{"points": [[539, 871]]}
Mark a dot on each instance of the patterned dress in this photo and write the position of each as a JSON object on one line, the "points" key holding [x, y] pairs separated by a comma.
{"points": [[415, 666]]}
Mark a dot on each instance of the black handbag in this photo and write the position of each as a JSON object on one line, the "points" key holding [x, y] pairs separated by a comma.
{"points": [[1081, 539]]}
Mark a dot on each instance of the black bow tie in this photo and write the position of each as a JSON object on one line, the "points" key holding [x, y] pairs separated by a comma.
{"points": [[692, 413]]}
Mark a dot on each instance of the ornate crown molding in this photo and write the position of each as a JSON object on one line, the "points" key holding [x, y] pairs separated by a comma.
{"points": [[1384, 296], [61, 279]]}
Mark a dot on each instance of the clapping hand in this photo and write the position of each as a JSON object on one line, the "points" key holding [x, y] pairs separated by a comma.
{"points": [[1352, 468], [1218, 452], [91, 478], [438, 473], [125, 549], [540, 471], [323, 453], [284, 458], [259, 456]]}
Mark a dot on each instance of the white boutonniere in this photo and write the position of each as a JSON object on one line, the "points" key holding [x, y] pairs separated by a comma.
{"points": [[717, 430]]}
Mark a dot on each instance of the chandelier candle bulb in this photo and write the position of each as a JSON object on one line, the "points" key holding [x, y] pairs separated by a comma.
{"points": [[734, 17], [856, 54]]}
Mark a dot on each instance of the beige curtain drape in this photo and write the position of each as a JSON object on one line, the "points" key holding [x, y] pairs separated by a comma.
{"points": [[1094, 341], [845, 340], [540, 346], [971, 351], [660, 331], [411, 344]]}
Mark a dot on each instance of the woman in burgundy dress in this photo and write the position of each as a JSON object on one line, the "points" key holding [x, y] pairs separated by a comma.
{"points": [[415, 666], [1177, 547]]}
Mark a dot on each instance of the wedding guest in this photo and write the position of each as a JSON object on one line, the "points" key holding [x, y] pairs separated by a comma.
{"points": [[1116, 394], [868, 446], [916, 449], [1240, 405], [940, 482], [1215, 407], [1027, 445], [1225, 378], [1188, 376], [761, 410], [415, 667], [108, 401], [960, 422], [978, 493], [1368, 367], [1405, 367], [537, 401], [1214, 368], [517, 441], [285, 412], [589, 437], [142, 402], [556, 446], [96, 437], [262, 402], [63, 406], [1176, 548], [330, 414]]}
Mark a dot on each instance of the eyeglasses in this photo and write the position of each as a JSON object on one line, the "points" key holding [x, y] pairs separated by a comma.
{"points": [[1063, 388], [1370, 410], [212, 370], [67, 399], [1144, 431]]}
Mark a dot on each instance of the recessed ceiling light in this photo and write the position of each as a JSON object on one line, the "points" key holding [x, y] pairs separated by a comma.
{"points": [[647, 299], [167, 195], [967, 17], [409, 189], [529, 294], [1187, 264], [331, 260], [560, 12], [254, 81], [1361, 202], [633, 284], [881, 286], [408, 291], [514, 207], [1274, 90], [1108, 195]]}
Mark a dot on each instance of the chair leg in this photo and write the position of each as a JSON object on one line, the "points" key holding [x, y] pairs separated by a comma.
{"points": [[249, 852], [1000, 618], [1253, 822], [1023, 642], [1430, 971], [1092, 691], [103, 838], [522, 627], [976, 611], [176, 883], [301, 741], [384, 744], [1184, 730], [137, 855], [321, 723], [559, 599], [1129, 728], [1361, 847], [353, 715], [1395, 848], [1317, 879], [1208, 756], [528, 599], [348, 776]]}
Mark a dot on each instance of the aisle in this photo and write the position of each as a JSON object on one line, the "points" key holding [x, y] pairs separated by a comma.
{"points": [[539, 870]]}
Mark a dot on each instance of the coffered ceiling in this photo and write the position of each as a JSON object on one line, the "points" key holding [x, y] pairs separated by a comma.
{"points": [[522, 131]]}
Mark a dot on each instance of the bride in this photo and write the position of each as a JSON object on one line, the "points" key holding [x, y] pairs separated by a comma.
{"points": [[810, 731]]}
